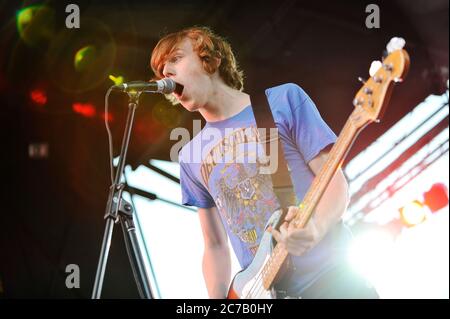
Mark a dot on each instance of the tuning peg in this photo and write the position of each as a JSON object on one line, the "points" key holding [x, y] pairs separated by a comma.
{"points": [[388, 67], [396, 43], [368, 91], [378, 79], [360, 79], [358, 101], [374, 67]]}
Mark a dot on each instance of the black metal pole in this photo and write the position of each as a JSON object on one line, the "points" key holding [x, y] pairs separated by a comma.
{"points": [[118, 209], [103, 259], [136, 260]]}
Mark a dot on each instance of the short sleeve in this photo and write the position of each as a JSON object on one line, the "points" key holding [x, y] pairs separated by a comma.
{"points": [[193, 193], [309, 131]]}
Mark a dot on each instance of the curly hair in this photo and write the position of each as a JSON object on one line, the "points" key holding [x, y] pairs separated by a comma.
{"points": [[209, 47]]}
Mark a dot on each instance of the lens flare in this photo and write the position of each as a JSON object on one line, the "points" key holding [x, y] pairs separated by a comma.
{"points": [[35, 24], [84, 58]]}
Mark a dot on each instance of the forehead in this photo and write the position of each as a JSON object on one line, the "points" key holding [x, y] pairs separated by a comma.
{"points": [[184, 45], [167, 51]]}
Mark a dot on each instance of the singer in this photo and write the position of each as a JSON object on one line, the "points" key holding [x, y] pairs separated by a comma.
{"points": [[233, 199]]}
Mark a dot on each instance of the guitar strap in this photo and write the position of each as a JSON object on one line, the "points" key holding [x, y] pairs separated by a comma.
{"points": [[268, 134], [281, 179]]}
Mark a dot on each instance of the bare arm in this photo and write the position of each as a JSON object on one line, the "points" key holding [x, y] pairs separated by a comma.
{"points": [[216, 256], [334, 201]]}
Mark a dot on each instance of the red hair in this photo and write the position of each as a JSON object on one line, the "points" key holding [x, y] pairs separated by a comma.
{"points": [[210, 48]]}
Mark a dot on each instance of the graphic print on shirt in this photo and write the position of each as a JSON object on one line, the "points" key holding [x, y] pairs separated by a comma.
{"points": [[243, 196]]}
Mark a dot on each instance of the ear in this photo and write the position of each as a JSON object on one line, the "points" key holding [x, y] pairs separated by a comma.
{"points": [[218, 61]]}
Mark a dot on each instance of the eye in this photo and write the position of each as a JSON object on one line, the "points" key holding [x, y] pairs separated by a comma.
{"points": [[175, 58]]}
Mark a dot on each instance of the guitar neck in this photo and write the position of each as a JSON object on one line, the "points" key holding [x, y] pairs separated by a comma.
{"points": [[370, 102], [315, 192], [333, 163]]}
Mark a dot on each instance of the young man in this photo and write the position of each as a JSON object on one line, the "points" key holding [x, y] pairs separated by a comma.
{"points": [[233, 197]]}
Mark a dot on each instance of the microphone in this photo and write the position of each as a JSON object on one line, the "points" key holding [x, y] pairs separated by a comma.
{"points": [[164, 86]]}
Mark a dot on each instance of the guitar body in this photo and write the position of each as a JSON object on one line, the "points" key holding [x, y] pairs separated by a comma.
{"points": [[248, 282]]}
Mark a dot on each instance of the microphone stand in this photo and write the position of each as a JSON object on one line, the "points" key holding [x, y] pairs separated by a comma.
{"points": [[119, 210]]}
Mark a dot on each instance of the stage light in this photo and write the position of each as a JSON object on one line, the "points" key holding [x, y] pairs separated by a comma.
{"points": [[413, 213], [39, 97], [369, 252], [417, 211], [437, 197], [38, 150], [84, 109]]}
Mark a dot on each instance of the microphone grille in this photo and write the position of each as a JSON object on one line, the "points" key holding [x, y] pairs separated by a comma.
{"points": [[168, 86]]}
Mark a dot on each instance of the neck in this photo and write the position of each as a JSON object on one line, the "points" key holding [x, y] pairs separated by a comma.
{"points": [[224, 102]]}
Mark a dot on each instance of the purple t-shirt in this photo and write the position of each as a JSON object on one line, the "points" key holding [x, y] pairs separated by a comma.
{"points": [[220, 167]]}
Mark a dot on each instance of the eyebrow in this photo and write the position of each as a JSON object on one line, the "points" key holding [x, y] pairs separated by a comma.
{"points": [[171, 54], [177, 50]]}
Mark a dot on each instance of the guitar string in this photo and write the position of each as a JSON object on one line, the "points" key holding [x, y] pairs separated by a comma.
{"points": [[259, 284], [256, 284], [257, 280]]}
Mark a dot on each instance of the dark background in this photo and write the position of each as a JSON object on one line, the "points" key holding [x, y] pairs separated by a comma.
{"points": [[54, 206]]}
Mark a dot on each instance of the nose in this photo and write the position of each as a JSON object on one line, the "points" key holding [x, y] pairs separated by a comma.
{"points": [[168, 70]]}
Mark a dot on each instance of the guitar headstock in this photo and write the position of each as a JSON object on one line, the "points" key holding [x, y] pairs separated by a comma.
{"points": [[372, 99]]}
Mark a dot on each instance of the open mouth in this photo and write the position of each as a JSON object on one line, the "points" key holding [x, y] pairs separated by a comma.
{"points": [[178, 90]]}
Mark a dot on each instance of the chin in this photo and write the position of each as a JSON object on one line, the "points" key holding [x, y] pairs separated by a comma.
{"points": [[189, 107]]}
